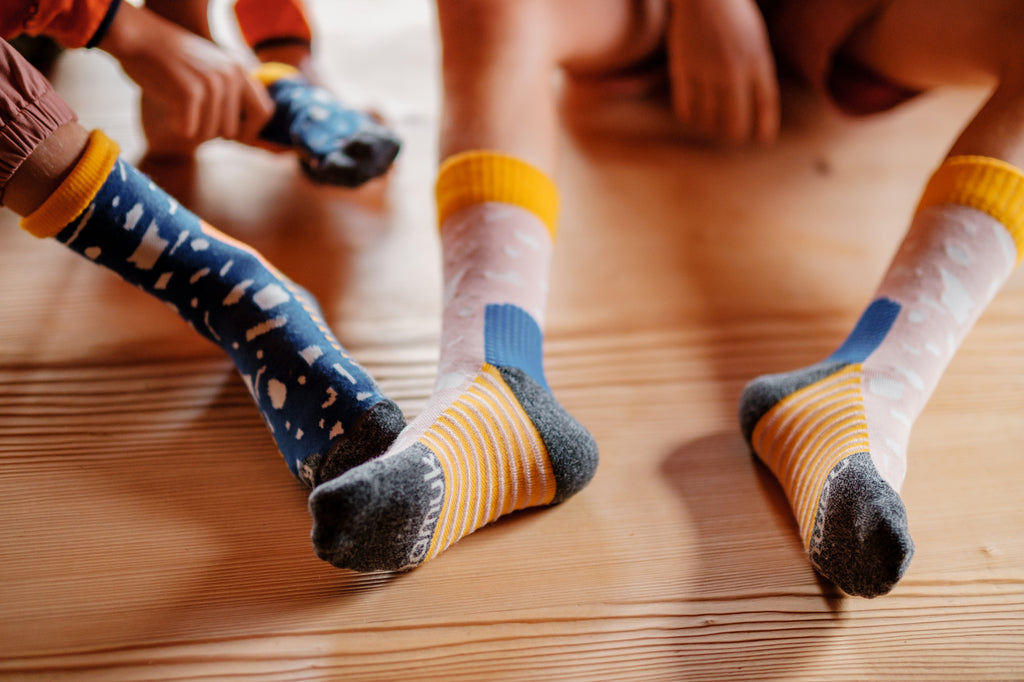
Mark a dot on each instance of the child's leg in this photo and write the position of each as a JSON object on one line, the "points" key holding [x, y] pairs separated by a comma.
{"points": [[325, 412], [835, 433], [492, 439]]}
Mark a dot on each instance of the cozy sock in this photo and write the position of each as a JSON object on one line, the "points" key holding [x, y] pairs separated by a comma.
{"points": [[325, 412], [336, 145], [835, 434], [492, 438]]}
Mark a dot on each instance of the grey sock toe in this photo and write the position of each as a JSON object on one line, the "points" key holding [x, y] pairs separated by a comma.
{"points": [[571, 449], [761, 394], [379, 516], [861, 541], [370, 437]]}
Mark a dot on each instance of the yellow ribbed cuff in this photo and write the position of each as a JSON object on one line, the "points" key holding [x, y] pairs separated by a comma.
{"points": [[983, 183], [78, 189], [270, 72], [478, 176]]}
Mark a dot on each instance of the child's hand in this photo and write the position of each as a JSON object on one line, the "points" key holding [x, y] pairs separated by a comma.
{"points": [[722, 70], [203, 91]]}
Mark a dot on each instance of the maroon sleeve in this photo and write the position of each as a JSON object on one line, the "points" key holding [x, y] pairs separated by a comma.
{"points": [[30, 111]]}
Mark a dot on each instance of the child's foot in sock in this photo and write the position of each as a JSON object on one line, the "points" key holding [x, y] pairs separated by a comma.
{"points": [[325, 412], [835, 434], [809, 427], [492, 439], [504, 445], [336, 145]]}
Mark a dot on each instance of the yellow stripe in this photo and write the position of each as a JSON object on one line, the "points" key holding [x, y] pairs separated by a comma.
{"points": [[467, 457], [828, 424], [489, 463], [78, 189], [461, 459], [506, 465], [487, 397], [528, 434], [269, 72], [983, 183], [828, 391], [804, 436], [493, 459], [453, 482], [810, 421], [476, 177], [483, 443]]}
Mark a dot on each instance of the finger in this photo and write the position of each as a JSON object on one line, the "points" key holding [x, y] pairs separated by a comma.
{"points": [[734, 119], [186, 114], [682, 100], [707, 108], [231, 111], [257, 108], [767, 107], [212, 108]]}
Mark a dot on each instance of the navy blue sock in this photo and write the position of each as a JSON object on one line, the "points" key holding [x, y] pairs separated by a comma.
{"points": [[325, 412], [336, 145]]}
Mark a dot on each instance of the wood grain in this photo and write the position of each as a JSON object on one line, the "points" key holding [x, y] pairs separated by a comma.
{"points": [[150, 531]]}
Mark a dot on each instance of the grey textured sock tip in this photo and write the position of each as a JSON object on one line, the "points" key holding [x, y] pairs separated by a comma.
{"points": [[370, 436], [378, 515], [861, 540]]}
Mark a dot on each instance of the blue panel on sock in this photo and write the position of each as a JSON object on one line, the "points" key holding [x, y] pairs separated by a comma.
{"points": [[512, 338], [871, 330]]}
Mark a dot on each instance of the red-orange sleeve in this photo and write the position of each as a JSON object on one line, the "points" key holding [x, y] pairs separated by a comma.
{"points": [[270, 21], [72, 23]]}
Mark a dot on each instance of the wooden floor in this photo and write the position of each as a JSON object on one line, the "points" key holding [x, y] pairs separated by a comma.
{"points": [[149, 529]]}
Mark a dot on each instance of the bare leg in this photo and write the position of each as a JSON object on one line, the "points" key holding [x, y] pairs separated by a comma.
{"points": [[493, 438], [952, 42], [835, 434], [500, 60], [45, 169]]}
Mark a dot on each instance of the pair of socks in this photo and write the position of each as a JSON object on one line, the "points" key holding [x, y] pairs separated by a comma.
{"points": [[336, 145]]}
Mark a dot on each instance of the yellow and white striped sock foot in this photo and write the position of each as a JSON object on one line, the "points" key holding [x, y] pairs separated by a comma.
{"points": [[814, 438], [492, 439], [504, 445], [835, 433]]}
